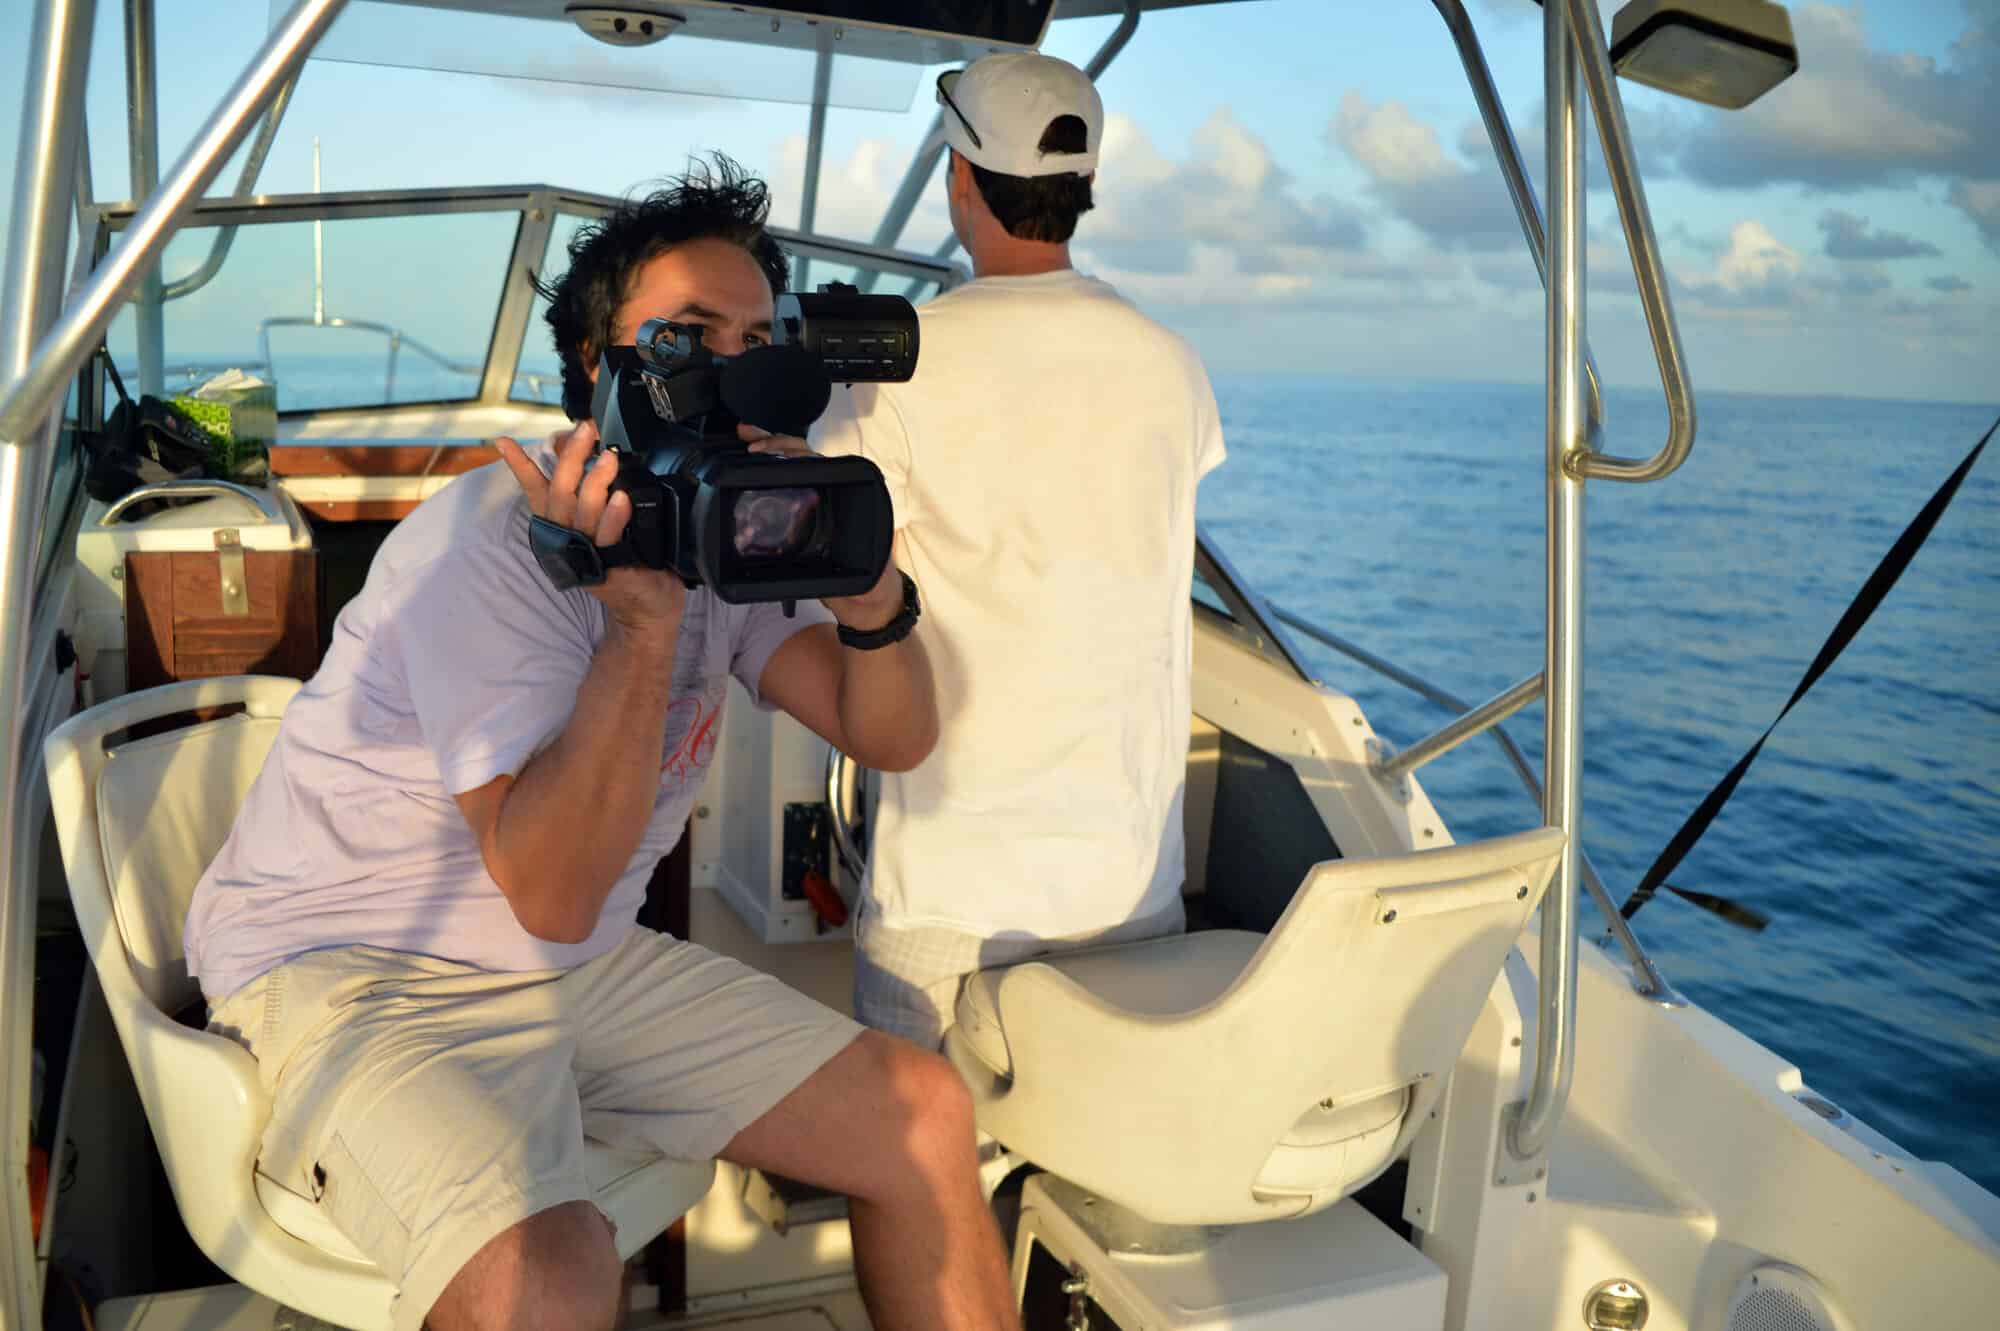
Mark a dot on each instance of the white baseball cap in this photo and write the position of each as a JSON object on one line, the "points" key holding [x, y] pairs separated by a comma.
{"points": [[998, 108]]}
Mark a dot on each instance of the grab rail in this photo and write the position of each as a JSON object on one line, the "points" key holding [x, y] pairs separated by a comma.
{"points": [[1647, 979], [1468, 724], [1507, 154], [1636, 217], [843, 790], [191, 489], [1654, 298], [246, 180], [398, 339]]}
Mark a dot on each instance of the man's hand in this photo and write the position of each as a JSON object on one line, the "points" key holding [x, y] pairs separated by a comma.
{"points": [[579, 496], [874, 607]]}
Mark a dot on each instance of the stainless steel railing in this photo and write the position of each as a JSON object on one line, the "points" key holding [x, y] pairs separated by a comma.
{"points": [[1646, 978], [1630, 192], [61, 351], [396, 337]]}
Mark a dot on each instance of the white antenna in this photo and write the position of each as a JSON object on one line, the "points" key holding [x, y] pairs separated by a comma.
{"points": [[319, 269]]}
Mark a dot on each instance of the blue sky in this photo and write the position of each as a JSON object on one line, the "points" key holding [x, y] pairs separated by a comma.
{"points": [[1299, 185]]}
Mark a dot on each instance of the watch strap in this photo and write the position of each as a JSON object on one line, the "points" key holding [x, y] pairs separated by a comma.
{"points": [[894, 631]]}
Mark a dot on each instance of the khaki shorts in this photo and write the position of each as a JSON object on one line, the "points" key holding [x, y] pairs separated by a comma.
{"points": [[906, 981], [430, 1106]]}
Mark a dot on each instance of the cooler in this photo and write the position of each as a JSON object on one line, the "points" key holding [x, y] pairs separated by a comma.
{"points": [[225, 581]]}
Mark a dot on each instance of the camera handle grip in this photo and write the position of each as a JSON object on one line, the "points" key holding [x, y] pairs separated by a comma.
{"points": [[570, 559]]}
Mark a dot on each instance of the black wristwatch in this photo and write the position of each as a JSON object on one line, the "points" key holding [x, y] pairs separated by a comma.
{"points": [[895, 630]]}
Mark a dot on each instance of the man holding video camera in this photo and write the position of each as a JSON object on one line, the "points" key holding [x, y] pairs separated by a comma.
{"points": [[1043, 470], [423, 922]]}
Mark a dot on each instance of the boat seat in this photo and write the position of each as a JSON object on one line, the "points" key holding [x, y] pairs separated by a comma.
{"points": [[138, 823], [1224, 1077]]}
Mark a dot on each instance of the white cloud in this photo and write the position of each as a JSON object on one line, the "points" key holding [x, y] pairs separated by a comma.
{"points": [[1853, 110], [1849, 237], [1455, 206], [1758, 274], [1213, 232], [1225, 222], [1854, 116], [1390, 144], [853, 193], [1756, 258], [1980, 201], [1211, 278]]}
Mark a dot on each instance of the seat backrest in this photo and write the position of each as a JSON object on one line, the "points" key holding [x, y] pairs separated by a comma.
{"points": [[1363, 994], [139, 821], [1387, 962], [165, 805]]}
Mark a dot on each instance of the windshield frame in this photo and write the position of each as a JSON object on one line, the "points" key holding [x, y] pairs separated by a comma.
{"points": [[537, 208]]}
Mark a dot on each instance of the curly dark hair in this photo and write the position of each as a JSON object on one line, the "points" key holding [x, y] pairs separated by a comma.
{"points": [[1040, 207], [723, 202]]}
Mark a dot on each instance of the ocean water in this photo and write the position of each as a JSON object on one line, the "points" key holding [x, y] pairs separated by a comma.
{"points": [[1408, 518]]}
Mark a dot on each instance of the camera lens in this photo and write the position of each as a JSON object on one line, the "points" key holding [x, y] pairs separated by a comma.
{"points": [[776, 524]]}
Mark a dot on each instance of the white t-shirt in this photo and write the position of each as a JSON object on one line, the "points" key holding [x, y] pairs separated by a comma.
{"points": [[1043, 465], [456, 664]]}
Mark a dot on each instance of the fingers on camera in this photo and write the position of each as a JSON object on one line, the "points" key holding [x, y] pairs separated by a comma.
{"points": [[592, 495], [611, 526]]}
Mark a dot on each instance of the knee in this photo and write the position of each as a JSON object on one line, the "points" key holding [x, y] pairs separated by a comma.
{"points": [[556, 1268], [574, 1272], [932, 1101]]}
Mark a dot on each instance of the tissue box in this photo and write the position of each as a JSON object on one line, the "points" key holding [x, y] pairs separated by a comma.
{"points": [[239, 412]]}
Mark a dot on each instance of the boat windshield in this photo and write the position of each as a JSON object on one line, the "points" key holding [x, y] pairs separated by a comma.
{"points": [[370, 300], [405, 314]]}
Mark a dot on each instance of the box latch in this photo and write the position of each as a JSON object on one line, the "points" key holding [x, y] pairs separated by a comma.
{"points": [[235, 585]]}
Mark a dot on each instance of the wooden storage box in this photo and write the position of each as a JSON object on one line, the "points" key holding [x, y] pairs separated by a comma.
{"points": [[194, 614]]}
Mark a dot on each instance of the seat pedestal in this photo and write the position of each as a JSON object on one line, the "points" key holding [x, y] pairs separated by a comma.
{"points": [[1335, 1269]]}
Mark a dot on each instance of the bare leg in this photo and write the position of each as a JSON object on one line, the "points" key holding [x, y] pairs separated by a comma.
{"points": [[891, 1126], [555, 1271]]}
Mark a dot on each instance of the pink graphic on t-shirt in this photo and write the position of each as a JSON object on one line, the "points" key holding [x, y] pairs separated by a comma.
{"points": [[691, 736]]}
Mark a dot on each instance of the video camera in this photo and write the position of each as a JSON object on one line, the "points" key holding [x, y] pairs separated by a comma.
{"points": [[749, 526]]}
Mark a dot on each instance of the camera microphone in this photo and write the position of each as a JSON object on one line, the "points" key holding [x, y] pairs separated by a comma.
{"points": [[782, 389]]}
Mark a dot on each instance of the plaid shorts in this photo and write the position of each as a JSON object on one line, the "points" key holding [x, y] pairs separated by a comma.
{"points": [[906, 981]]}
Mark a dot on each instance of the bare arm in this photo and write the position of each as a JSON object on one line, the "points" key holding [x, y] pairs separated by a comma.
{"points": [[879, 707], [558, 837]]}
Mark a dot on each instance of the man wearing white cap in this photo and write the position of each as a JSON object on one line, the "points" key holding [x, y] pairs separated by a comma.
{"points": [[1043, 465]]}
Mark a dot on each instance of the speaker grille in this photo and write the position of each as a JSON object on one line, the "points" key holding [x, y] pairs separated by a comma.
{"points": [[1774, 1310], [1781, 1298]]}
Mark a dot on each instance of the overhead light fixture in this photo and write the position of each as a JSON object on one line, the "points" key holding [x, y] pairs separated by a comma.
{"points": [[1726, 53], [623, 25]]}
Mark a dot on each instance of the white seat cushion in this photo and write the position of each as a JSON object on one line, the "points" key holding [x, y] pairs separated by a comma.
{"points": [[642, 1193], [1158, 977]]}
